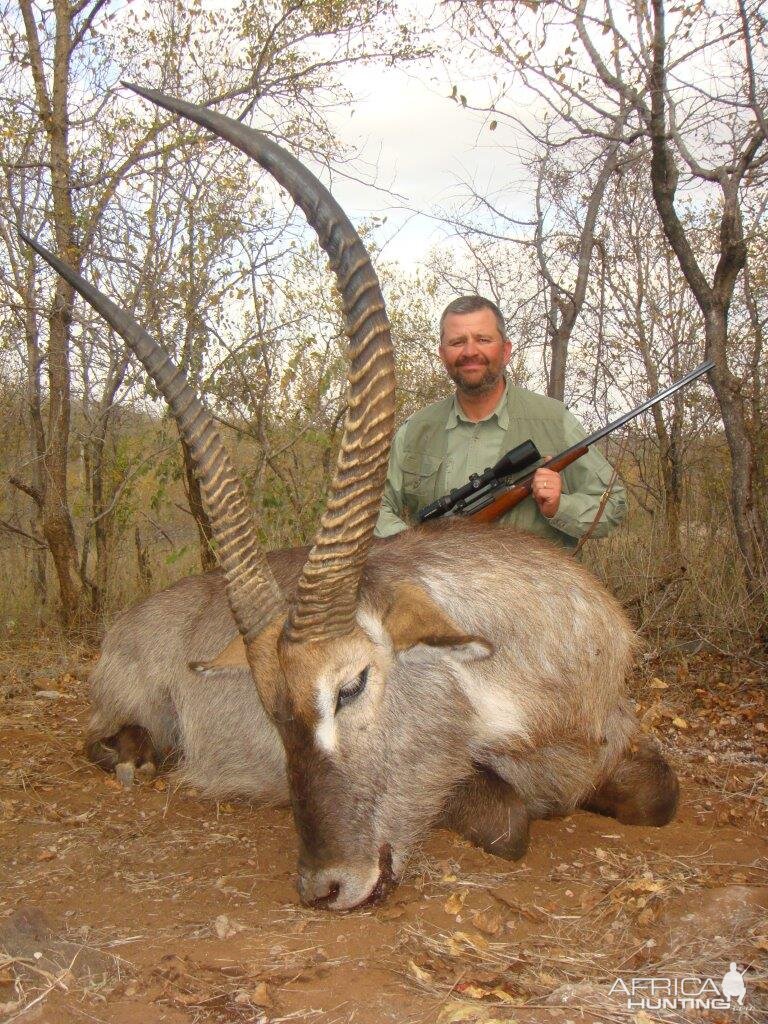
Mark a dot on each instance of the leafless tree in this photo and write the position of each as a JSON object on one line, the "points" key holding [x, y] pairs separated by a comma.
{"points": [[690, 81], [75, 152]]}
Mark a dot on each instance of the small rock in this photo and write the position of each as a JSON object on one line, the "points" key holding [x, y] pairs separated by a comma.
{"points": [[225, 928], [47, 695]]}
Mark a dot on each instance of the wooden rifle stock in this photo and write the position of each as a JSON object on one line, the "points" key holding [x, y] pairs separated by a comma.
{"points": [[512, 497]]}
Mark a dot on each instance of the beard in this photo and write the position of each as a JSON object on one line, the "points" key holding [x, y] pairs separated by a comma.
{"points": [[478, 386]]}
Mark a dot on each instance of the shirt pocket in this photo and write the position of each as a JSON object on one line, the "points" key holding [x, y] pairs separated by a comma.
{"points": [[420, 471]]}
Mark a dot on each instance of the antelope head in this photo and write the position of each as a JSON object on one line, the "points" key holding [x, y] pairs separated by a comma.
{"points": [[321, 662]]}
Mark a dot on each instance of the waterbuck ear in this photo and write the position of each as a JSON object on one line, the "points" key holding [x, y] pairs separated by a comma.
{"points": [[412, 617], [260, 658], [231, 656]]}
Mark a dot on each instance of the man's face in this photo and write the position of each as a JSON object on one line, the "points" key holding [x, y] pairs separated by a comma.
{"points": [[473, 351]]}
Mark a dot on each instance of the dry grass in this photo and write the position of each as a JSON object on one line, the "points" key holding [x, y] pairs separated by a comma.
{"points": [[704, 606], [573, 959]]}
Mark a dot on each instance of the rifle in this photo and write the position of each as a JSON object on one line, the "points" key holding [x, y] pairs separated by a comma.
{"points": [[488, 495]]}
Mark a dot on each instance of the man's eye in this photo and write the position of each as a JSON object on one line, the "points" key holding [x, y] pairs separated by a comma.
{"points": [[352, 690]]}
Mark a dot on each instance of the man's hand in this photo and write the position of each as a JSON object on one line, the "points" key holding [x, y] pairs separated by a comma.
{"points": [[546, 489]]}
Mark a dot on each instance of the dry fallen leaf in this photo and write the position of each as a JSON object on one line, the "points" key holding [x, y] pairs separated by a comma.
{"points": [[658, 684], [645, 885], [419, 973], [260, 996], [473, 991], [455, 903], [454, 1012], [188, 998], [504, 996], [680, 723], [388, 913], [487, 922]]}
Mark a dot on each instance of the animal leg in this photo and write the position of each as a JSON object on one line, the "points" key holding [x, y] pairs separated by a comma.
{"points": [[642, 789], [128, 752], [487, 811]]}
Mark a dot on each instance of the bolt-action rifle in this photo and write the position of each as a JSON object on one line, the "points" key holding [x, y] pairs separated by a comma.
{"points": [[488, 495]]}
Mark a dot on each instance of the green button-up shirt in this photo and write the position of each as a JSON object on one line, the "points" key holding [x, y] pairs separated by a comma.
{"points": [[439, 447]]}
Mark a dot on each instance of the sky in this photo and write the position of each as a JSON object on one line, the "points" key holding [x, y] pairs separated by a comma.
{"points": [[422, 144]]}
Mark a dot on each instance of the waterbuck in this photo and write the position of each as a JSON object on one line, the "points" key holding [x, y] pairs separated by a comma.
{"points": [[465, 675]]}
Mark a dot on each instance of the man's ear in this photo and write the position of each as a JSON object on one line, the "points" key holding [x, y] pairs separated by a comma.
{"points": [[412, 617]]}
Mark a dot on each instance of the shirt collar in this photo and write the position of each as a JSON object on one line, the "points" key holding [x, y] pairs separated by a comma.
{"points": [[501, 412]]}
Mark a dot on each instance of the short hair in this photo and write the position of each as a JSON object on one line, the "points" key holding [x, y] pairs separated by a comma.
{"points": [[472, 304]]}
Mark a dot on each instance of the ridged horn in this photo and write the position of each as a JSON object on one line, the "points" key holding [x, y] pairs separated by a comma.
{"points": [[326, 596], [253, 593]]}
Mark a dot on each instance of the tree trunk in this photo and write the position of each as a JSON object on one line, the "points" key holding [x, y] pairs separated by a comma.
{"points": [[55, 520], [751, 530], [757, 405], [142, 562], [36, 435], [714, 301], [559, 337]]}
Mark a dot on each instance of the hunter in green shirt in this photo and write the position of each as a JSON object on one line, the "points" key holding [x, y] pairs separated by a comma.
{"points": [[440, 446]]}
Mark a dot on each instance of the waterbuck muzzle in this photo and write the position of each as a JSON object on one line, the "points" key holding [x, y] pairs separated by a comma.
{"points": [[285, 642]]}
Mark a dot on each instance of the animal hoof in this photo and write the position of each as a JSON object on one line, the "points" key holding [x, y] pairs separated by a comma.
{"points": [[125, 773], [146, 772]]}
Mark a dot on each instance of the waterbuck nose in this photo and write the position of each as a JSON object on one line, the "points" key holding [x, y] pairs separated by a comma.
{"points": [[340, 888], [316, 889]]}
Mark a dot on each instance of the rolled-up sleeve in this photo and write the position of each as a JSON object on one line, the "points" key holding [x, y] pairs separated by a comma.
{"points": [[390, 519], [587, 480]]}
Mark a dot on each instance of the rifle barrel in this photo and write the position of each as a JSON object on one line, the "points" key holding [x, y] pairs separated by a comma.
{"points": [[598, 435], [496, 504]]}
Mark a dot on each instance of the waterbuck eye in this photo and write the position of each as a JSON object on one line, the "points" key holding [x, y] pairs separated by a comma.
{"points": [[352, 690]]}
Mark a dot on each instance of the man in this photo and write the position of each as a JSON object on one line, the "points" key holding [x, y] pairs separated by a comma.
{"points": [[440, 446]]}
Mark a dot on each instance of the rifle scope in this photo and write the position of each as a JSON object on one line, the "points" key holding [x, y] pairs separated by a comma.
{"points": [[515, 460]]}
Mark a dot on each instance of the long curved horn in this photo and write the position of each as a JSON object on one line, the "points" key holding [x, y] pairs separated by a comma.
{"points": [[326, 597], [253, 593]]}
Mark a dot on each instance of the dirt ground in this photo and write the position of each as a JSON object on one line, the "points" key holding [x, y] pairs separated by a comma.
{"points": [[155, 905]]}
